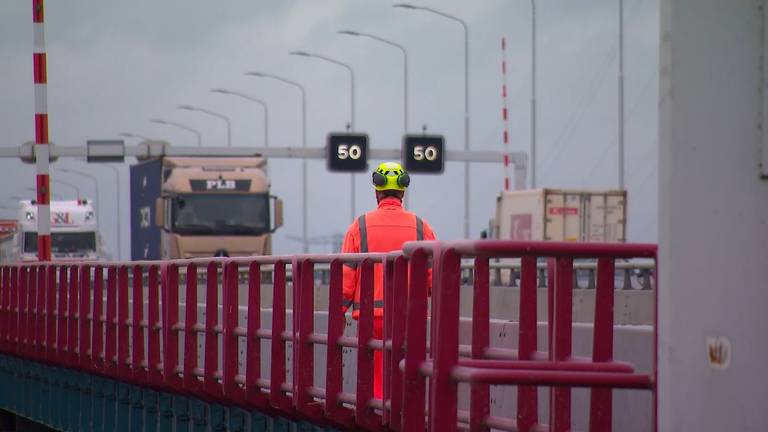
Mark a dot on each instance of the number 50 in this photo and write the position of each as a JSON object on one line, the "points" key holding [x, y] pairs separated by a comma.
{"points": [[424, 152], [349, 151]]}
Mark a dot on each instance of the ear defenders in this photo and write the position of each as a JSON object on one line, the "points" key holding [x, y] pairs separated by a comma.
{"points": [[403, 179]]}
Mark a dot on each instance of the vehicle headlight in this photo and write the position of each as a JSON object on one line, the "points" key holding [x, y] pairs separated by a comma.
{"points": [[30, 216], [89, 216]]}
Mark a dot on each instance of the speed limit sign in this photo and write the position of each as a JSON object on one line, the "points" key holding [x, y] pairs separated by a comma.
{"points": [[423, 153], [347, 152]]}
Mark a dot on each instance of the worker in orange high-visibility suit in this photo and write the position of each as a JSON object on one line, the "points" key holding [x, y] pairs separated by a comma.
{"points": [[382, 230]]}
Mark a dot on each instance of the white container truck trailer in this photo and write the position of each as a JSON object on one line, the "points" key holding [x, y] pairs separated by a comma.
{"points": [[561, 215]]}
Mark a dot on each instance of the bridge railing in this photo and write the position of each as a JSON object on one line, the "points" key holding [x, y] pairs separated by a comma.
{"points": [[525, 367], [131, 322]]}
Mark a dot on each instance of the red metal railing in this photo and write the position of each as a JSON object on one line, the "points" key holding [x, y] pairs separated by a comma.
{"points": [[127, 321], [525, 367]]}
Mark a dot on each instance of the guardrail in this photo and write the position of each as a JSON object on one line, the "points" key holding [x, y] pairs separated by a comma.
{"points": [[632, 274], [127, 321]]}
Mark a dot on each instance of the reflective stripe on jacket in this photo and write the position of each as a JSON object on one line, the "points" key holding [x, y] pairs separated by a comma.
{"points": [[385, 229]]}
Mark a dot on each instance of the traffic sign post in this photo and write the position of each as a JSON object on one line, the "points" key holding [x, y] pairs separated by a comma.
{"points": [[424, 153], [347, 152]]}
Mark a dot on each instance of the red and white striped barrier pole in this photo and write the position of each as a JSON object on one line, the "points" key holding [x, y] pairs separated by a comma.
{"points": [[42, 149], [504, 111]]}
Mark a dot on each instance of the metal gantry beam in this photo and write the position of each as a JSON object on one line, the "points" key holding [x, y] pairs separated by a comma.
{"points": [[149, 149]]}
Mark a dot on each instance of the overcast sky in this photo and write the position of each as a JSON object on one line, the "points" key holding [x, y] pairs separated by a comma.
{"points": [[112, 65]]}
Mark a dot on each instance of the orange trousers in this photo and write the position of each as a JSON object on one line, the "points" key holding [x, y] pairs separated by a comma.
{"points": [[378, 359]]}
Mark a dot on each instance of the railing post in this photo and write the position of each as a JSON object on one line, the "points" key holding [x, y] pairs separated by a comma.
{"points": [[61, 340], [4, 301], [110, 349], [191, 382], [365, 364], [303, 348], [277, 396], [600, 410], [72, 340], [21, 314], [335, 352], [30, 321], [445, 352], [153, 319], [5, 320], [253, 393], [397, 313], [97, 329], [38, 325], [138, 372], [388, 270], [13, 328], [560, 409], [479, 404], [527, 404], [86, 356], [170, 321], [211, 367], [230, 308], [123, 343], [414, 383], [50, 317]]}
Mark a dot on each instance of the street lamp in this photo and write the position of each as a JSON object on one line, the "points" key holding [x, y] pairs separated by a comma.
{"points": [[180, 126], [405, 68], [405, 78], [132, 135], [305, 244], [351, 79], [533, 94], [466, 98], [252, 99], [621, 94], [213, 114], [351, 115]]}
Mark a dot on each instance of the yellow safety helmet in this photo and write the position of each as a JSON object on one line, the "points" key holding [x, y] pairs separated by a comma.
{"points": [[390, 176]]}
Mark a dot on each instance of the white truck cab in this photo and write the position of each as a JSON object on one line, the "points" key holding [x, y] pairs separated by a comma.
{"points": [[74, 231]]}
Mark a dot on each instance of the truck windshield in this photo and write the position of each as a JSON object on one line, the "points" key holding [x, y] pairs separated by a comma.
{"points": [[221, 214], [63, 243]]}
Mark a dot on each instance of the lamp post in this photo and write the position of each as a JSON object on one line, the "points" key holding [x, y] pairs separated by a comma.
{"points": [[466, 98], [252, 99], [405, 76], [533, 94], [405, 68], [180, 126], [351, 115], [302, 90], [621, 94], [212, 114]]}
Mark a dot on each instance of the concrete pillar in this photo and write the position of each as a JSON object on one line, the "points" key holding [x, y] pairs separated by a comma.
{"points": [[713, 218]]}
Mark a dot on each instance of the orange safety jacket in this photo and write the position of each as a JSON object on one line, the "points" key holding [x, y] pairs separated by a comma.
{"points": [[385, 229]]}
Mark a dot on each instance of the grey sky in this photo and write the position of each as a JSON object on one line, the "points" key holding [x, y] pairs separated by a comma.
{"points": [[113, 65]]}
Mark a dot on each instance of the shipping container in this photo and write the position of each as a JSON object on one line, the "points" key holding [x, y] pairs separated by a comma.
{"points": [[146, 184], [561, 215]]}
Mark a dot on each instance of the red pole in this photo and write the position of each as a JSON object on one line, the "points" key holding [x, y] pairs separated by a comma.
{"points": [[42, 149], [504, 111]]}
